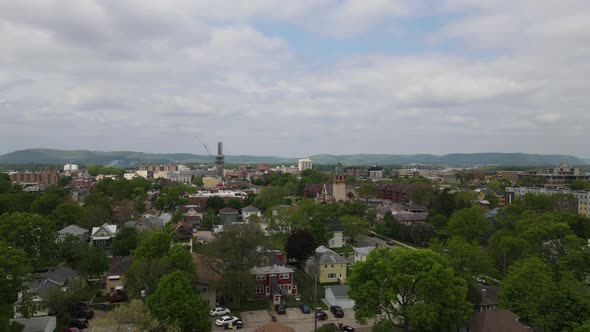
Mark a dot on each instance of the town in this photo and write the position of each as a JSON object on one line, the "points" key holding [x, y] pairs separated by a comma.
{"points": [[195, 247]]}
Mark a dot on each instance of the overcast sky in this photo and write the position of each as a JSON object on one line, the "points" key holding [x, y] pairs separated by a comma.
{"points": [[296, 78]]}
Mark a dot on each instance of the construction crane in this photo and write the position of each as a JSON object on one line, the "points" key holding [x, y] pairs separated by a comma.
{"points": [[206, 149]]}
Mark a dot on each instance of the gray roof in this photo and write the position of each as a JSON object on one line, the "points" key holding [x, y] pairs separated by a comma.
{"points": [[340, 290], [336, 226], [36, 324], [59, 275], [73, 229], [411, 216], [363, 250], [330, 257], [250, 208]]}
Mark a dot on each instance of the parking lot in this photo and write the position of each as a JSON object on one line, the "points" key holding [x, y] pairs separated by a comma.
{"points": [[293, 318]]}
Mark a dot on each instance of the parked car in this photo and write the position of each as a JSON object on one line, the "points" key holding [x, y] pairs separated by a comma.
{"points": [[347, 328], [480, 280], [305, 308], [321, 315], [219, 311], [372, 234], [80, 323], [237, 324], [83, 313], [337, 311], [389, 243], [118, 297], [225, 320], [281, 309]]}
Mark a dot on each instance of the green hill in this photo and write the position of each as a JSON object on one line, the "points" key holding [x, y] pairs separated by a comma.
{"points": [[53, 156]]}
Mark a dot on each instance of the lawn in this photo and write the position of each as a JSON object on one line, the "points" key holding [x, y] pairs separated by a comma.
{"points": [[251, 304]]}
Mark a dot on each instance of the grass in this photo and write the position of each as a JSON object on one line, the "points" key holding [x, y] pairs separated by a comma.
{"points": [[345, 251], [251, 304]]}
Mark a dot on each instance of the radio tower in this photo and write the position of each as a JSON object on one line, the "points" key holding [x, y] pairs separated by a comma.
{"points": [[219, 160]]}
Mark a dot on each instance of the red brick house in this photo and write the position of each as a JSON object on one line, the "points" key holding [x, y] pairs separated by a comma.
{"points": [[273, 278]]}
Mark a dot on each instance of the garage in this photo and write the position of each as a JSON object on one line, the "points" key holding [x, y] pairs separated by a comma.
{"points": [[338, 295]]}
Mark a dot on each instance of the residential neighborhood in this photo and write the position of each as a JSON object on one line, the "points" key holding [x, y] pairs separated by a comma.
{"points": [[250, 250]]}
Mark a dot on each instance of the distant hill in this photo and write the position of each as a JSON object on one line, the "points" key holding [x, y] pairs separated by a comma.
{"points": [[454, 159], [48, 156]]}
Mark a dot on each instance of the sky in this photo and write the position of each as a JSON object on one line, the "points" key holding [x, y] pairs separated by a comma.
{"points": [[296, 78]]}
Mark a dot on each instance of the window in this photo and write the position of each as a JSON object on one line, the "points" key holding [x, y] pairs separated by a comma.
{"points": [[326, 266], [331, 275], [332, 266], [284, 276], [259, 289], [261, 277], [340, 275]]}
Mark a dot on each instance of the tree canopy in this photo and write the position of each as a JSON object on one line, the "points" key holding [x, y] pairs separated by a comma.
{"points": [[416, 288]]}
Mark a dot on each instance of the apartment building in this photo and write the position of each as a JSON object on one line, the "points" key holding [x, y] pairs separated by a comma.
{"points": [[47, 178], [582, 196], [304, 164]]}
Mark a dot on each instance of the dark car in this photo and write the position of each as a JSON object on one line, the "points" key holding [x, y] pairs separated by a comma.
{"points": [[281, 309], [80, 323], [238, 324], [389, 243], [83, 313], [321, 315], [70, 329], [372, 234], [118, 297], [305, 308], [337, 311]]}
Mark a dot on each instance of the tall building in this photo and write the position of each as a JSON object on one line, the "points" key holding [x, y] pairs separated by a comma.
{"points": [[219, 160], [304, 164], [339, 185]]}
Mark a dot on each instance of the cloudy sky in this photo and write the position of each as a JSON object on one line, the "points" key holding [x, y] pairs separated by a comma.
{"points": [[296, 78]]}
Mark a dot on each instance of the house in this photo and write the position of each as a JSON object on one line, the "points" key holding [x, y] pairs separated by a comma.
{"points": [[146, 224], [360, 254], [337, 229], [484, 203], [115, 276], [42, 284], [73, 230], [38, 324], [182, 233], [228, 215], [338, 295], [408, 218], [249, 211], [330, 266], [207, 279], [192, 214], [272, 277], [274, 327], [103, 236]]}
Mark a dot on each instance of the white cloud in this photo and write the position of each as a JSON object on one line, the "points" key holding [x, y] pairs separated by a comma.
{"points": [[150, 75]]}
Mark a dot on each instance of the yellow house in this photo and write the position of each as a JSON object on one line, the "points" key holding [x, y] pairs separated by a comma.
{"points": [[115, 277], [331, 266]]}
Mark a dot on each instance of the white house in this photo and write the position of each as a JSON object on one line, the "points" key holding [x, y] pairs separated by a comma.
{"points": [[338, 295], [41, 285], [337, 240], [249, 211], [73, 230], [103, 236], [360, 254]]}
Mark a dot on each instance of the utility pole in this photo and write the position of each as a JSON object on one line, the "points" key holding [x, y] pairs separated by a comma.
{"points": [[315, 295]]}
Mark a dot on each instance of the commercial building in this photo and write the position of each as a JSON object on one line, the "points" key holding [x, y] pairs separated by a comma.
{"points": [[47, 178], [582, 197], [304, 164]]}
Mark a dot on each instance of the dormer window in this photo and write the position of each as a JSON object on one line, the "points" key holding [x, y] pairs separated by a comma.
{"points": [[264, 261]]}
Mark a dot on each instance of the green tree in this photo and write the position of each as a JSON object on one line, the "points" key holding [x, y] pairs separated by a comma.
{"points": [[66, 214], [271, 196], [174, 302], [470, 223], [235, 203], [92, 261], [197, 181], [237, 249], [14, 268], [32, 233], [126, 240], [401, 283], [143, 274], [45, 204], [580, 185], [179, 258], [300, 245], [215, 202], [467, 259], [153, 245], [62, 302], [355, 227], [505, 248]]}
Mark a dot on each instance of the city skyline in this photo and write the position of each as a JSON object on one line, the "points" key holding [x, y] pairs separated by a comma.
{"points": [[296, 79]]}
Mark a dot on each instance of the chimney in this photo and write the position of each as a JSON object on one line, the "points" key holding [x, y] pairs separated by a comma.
{"points": [[484, 296]]}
